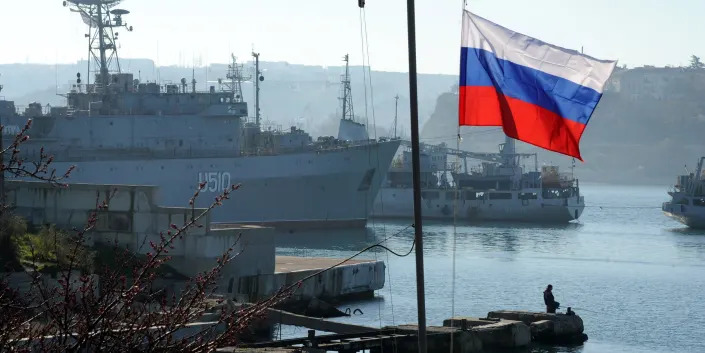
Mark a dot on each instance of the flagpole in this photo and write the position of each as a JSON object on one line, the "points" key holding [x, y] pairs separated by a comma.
{"points": [[416, 169], [418, 229]]}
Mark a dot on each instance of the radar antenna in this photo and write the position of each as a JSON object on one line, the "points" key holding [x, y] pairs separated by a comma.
{"points": [[346, 94], [236, 77], [102, 19]]}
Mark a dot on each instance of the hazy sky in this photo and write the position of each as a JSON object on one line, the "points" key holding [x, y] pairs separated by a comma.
{"points": [[320, 32]]}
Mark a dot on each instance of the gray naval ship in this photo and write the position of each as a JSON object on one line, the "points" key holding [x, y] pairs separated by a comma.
{"points": [[117, 130], [498, 190], [687, 204]]}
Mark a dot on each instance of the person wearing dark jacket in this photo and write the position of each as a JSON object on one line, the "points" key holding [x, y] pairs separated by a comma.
{"points": [[551, 303]]}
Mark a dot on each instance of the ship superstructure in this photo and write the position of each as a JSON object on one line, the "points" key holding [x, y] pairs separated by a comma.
{"points": [[119, 130], [687, 203]]}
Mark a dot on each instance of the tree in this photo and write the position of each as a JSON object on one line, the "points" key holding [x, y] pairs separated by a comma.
{"points": [[12, 164], [128, 313], [695, 63]]}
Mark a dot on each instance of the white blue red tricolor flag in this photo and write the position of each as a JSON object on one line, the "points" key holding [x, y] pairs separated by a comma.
{"points": [[539, 93]]}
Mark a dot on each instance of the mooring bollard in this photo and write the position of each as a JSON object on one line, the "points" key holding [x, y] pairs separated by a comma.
{"points": [[312, 339]]}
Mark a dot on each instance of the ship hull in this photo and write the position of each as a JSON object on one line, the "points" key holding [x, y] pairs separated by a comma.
{"points": [[691, 216], [319, 189], [398, 203], [533, 211]]}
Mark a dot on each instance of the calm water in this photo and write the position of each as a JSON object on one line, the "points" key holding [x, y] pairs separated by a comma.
{"points": [[633, 275]]}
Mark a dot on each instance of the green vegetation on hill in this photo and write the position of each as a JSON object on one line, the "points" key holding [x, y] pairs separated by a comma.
{"points": [[50, 248], [44, 250], [10, 227]]}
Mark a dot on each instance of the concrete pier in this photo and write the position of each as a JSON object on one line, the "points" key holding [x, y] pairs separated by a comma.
{"points": [[547, 328], [353, 279], [494, 333], [500, 331], [438, 340], [134, 219], [513, 329], [390, 339]]}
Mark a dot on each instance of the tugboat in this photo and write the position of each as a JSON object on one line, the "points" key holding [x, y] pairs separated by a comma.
{"points": [[687, 203]]}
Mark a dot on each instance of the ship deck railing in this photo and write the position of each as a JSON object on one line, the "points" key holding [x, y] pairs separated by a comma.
{"points": [[121, 153]]}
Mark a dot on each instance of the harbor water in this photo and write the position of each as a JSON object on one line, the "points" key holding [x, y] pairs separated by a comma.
{"points": [[632, 274]]}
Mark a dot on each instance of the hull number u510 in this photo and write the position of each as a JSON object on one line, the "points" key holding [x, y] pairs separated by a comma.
{"points": [[215, 181]]}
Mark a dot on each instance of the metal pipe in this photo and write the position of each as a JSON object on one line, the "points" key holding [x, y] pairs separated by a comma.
{"points": [[418, 229]]}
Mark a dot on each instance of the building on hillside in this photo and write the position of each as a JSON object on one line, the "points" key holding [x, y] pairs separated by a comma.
{"points": [[659, 83]]}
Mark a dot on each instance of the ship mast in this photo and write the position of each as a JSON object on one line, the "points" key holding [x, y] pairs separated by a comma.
{"points": [[235, 76], [508, 152], [193, 79], [696, 178], [102, 20], [396, 111], [258, 78], [348, 113]]}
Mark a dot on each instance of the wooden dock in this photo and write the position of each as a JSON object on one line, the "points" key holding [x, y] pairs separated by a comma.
{"points": [[499, 330], [397, 339]]}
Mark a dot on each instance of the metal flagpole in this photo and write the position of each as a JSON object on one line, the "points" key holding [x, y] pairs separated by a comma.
{"points": [[418, 230]]}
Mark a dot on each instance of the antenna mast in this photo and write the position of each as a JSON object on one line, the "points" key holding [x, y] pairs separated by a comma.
{"points": [[193, 79], [235, 76], [102, 20], [396, 111], [258, 77], [572, 169], [348, 113], [508, 152]]}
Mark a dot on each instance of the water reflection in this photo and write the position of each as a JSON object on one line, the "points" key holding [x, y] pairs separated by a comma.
{"points": [[524, 225], [506, 241], [552, 349], [686, 231], [689, 242]]}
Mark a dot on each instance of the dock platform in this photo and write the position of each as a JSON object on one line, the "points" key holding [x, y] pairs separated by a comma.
{"points": [[500, 330], [283, 264], [353, 279]]}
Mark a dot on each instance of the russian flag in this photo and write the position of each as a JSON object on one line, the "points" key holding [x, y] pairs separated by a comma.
{"points": [[539, 93]]}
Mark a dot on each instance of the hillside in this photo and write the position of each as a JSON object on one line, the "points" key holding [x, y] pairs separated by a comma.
{"points": [[301, 95], [648, 125]]}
